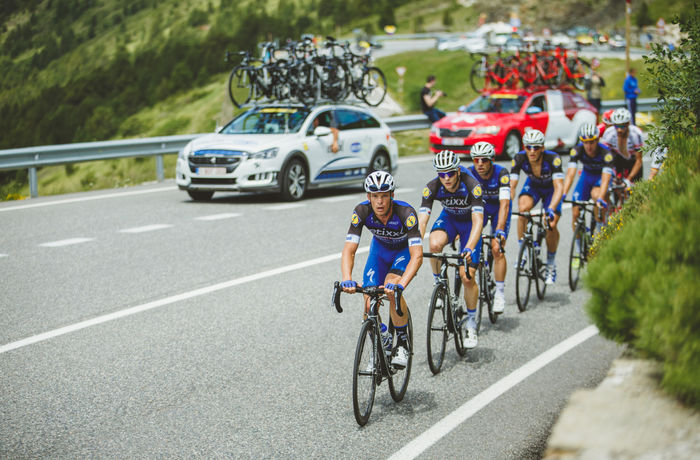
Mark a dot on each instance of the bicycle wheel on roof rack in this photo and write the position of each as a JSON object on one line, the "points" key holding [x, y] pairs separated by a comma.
{"points": [[478, 75], [240, 88], [373, 86]]}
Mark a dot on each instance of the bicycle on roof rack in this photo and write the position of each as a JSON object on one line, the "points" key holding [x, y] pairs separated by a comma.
{"points": [[372, 364]]}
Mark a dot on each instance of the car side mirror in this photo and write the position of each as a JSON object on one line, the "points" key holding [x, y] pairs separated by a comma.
{"points": [[322, 131], [533, 110]]}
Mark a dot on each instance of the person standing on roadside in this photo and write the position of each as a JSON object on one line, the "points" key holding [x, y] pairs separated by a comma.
{"points": [[594, 85], [428, 99], [631, 89]]}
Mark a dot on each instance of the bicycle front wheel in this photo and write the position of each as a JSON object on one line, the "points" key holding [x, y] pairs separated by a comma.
{"points": [[477, 76], [575, 257], [373, 86], [523, 280], [398, 382], [364, 373], [539, 271], [483, 301], [240, 88], [436, 339]]}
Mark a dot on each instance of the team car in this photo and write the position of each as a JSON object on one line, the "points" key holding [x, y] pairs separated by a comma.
{"points": [[501, 118], [286, 148]]}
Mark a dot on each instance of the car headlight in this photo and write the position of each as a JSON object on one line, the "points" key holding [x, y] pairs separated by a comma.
{"points": [[265, 154], [435, 130], [492, 129]]}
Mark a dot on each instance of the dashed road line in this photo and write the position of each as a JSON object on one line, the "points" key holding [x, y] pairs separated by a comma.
{"points": [[225, 215], [66, 242], [87, 198], [281, 207], [145, 228]]}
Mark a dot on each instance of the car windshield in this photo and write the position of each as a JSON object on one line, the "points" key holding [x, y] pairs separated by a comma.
{"points": [[496, 103], [268, 120]]}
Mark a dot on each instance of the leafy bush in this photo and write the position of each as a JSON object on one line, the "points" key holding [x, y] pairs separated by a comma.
{"points": [[643, 278]]}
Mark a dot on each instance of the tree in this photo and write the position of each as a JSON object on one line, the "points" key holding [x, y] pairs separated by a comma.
{"points": [[674, 73], [643, 17], [386, 14]]}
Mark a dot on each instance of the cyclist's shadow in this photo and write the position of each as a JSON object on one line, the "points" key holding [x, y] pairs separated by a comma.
{"points": [[413, 403]]}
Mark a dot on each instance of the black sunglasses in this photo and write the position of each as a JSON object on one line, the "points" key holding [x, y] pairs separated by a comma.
{"points": [[447, 174], [381, 188]]}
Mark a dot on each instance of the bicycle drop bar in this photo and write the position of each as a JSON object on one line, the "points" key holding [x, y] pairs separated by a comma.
{"points": [[445, 255], [531, 215], [369, 290]]}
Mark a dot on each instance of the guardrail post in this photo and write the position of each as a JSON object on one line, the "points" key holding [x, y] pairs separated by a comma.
{"points": [[33, 185], [159, 168]]}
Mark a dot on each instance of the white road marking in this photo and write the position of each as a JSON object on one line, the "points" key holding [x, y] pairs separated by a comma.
{"points": [[145, 228], [225, 215], [88, 198], [169, 300], [68, 242], [421, 443], [4, 255], [280, 207]]}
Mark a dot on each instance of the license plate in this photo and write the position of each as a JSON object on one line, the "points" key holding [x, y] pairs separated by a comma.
{"points": [[452, 141], [212, 171]]}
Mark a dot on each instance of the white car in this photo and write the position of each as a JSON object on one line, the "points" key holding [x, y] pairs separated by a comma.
{"points": [[286, 148]]}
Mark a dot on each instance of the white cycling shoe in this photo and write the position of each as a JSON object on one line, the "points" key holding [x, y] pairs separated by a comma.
{"points": [[471, 340], [401, 358], [499, 303]]}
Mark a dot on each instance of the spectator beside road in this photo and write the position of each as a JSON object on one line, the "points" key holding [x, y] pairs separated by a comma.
{"points": [[594, 86], [428, 99], [631, 89]]}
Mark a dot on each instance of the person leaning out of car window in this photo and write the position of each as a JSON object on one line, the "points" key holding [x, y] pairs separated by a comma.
{"points": [[428, 99], [328, 120]]}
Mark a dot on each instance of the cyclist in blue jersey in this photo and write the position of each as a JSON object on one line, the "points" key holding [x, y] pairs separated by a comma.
{"points": [[395, 253], [545, 181], [598, 169], [462, 215], [495, 183]]}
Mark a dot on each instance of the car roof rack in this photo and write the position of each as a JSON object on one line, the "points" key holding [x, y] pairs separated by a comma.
{"points": [[297, 103]]}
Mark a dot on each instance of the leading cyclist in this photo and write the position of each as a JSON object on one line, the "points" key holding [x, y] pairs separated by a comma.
{"points": [[495, 183], [626, 141], [545, 181], [395, 253], [462, 215]]}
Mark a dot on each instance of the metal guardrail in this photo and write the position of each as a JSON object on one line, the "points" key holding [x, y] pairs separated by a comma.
{"points": [[47, 155]]}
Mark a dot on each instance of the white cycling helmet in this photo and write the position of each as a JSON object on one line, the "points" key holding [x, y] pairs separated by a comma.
{"points": [[483, 150], [620, 116], [379, 181], [533, 137], [588, 132], [446, 160]]}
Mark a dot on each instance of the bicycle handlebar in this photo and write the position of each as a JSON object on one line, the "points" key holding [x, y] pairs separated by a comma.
{"points": [[369, 290], [446, 256], [531, 215]]}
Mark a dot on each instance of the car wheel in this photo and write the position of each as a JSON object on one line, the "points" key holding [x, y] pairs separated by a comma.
{"points": [[200, 195], [512, 145], [380, 162], [294, 181]]}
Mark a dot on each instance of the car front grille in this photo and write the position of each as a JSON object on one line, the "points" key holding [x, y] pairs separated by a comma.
{"points": [[444, 132], [213, 181], [453, 148]]}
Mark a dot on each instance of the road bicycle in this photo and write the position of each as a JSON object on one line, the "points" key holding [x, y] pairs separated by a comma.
{"points": [[531, 265], [372, 363], [582, 240], [487, 285], [485, 75], [447, 315]]}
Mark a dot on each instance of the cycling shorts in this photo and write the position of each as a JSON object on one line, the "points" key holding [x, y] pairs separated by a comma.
{"points": [[454, 227], [537, 194], [382, 261], [586, 182]]}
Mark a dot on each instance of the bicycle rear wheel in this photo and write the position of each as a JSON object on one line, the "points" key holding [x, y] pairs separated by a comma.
{"points": [[240, 88], [579, 69], [364, 373], [373, 86], [523, 280], [398, 382], [477, 76], [436, 338], [575, 257]]}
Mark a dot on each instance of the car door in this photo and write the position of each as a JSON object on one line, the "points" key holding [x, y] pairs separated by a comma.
{"points": [[558, 125], [327, 166], [536, 114]]}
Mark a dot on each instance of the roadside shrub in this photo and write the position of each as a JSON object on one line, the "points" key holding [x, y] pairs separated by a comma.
{"points": [[643, 276]]}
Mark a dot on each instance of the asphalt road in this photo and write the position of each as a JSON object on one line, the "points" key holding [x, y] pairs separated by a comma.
{"points": [[137, 323]]}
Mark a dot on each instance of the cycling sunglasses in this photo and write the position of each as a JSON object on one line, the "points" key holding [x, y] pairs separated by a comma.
{"points": [[621, 126], [588, 139], [447, 174], [533, 147], [480, 160], [381, 188]]}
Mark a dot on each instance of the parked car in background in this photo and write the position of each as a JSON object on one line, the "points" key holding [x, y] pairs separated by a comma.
{"points": [[617, 42], [286, 148], [501, 117]]}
